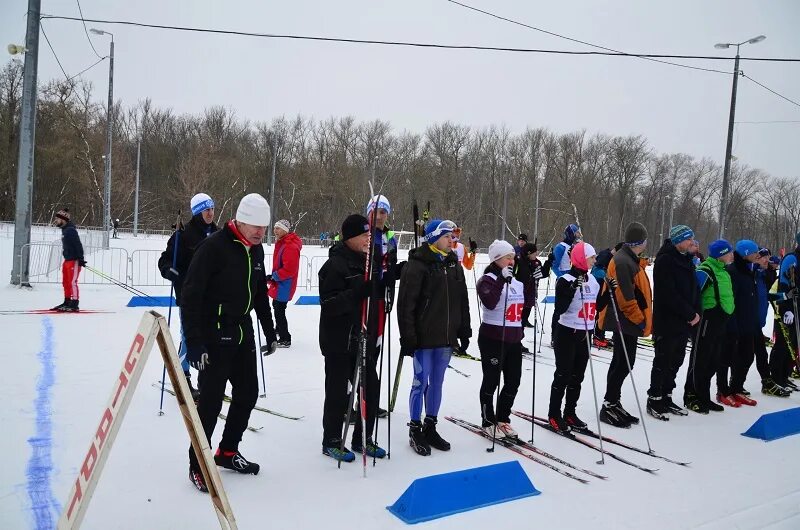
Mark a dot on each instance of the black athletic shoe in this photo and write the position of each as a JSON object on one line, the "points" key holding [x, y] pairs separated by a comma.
{"points": [[382, 413], [432, 436], [674, 408], [417, 439], [285, 343], [557, 422], [627, 415], [575, 422], [196, 476], [60, 306], [716, 407], [610, 414], [693, 403], [656, 407], [234, 460], [372, 449], [791, 385]]}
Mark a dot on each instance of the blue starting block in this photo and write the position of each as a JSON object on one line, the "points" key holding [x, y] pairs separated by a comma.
{"points": [[775, 425], [307, 300], [437, 496], [549, 299], [152, 301]]}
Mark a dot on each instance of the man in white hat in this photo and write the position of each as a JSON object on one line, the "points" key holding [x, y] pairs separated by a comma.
{"points": [[226, 281]]}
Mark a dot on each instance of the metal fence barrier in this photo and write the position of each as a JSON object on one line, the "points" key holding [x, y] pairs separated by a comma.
{"points": [[45, 264]]}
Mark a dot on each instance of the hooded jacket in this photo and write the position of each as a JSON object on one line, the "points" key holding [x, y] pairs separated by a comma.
{"points": [[285, 268], [676, 295], [633, 297], [433, 305], [72, 249]]}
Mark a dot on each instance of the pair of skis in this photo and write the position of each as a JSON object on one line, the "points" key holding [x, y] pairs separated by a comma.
{"points": [[52, 312]]}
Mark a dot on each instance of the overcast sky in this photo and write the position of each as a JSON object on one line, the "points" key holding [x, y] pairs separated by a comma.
{"points": [[677, 109]]}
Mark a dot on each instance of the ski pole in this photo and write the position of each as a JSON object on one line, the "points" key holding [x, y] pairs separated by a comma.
{"points": [[261, 357], [544, 316], [628, 361], [388, 391], [477, 298], [380, 377], [594, 386], [129, 288], [533, 390], [169, 313], [500, 372], [351, 401]]}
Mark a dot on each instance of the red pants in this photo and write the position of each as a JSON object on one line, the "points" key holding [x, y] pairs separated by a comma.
{"points": [[70, 271]]}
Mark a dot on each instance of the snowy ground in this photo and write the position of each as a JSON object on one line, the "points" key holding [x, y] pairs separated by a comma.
{"points": [[734, 482]]}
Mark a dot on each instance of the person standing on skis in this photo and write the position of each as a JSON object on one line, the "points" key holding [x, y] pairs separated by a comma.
{"points": [[576, 304], [500, 337], [343, 291], [676, 312], [226, 280], [634, 302], [529, 271], [433, 317], [72, 250]]}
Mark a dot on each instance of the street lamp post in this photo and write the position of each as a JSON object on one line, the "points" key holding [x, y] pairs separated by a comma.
{"points": [[109, 128], [727, 170]]}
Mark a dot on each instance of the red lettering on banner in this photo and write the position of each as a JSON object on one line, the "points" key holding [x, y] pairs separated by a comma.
{"points": [[130, 361], [105, 425], [75, 498], [123, 380], [88, 463]]}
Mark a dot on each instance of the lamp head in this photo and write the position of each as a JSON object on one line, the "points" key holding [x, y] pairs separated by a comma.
{"points": [[756, 39], [722, 46]]}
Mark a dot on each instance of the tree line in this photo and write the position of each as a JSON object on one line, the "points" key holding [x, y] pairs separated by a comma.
{"points": [[486, 179]]}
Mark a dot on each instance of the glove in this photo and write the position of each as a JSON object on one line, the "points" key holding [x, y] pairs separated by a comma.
{"points": [[464, 343], [508, 273], [788, 318], [198, 357], [473, 246], [269, 349], [792, 293], [537, 272], [577, 283], [82, 262], [612, 282]]}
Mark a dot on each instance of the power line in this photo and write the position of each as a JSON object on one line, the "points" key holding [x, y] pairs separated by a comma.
{"points": [[87, 31], [554, 34], [769, 89], [67, 76], [769, 121], [88, 68], [420, 44]]}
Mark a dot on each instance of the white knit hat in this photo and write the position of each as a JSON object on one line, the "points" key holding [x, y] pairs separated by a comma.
{"points": [[381, 201], [498, 249], [200, 203], [253, 210], [284, 225]]}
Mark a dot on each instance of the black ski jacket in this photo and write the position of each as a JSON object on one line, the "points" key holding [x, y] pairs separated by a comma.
{"points": [[676, 295], [223, 284], [432, 305], [189, 237], [71, 242], [745, 319]]}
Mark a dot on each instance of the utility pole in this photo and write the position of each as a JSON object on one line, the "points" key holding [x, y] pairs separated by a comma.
{"points": [[501, 235], [136, 196], [109, 130], [536, 217], [27, 137], [272, 185]]}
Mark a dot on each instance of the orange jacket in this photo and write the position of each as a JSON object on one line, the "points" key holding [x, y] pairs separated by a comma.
{"points": [[465, 258], [634, 297]]}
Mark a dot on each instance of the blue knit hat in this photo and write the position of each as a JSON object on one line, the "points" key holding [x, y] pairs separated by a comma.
{"points": [[200, 203], [719, 248], [745, 247], [680, 233], [436, 228]]}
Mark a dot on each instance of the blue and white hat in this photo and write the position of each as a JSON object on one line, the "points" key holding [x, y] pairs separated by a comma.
{"points": [[436, 228], [200, 203], [745, 247], [381, 201]]}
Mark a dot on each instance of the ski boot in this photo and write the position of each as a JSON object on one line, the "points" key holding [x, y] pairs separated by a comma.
{"points": [[334, 450], [197, 479], [657, 408], [673, 408], [741, 399], [728, 400], [558, 424], [505, 429], [694, 403], [373, 451], [417, 439], [234, 461], [770, 388], [61, 306], [574, 422], [627, 415], [716, 407], [432, 436], [611, 415]]}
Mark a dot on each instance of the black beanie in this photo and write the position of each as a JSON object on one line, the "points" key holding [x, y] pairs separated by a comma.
{"points": [[353, 226], [529, 248], [635, 234], [523, 237]]}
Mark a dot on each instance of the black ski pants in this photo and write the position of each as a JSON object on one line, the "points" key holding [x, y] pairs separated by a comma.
{"points": [[526, 315], [236, 364], [781, 358], [618, 370], [737, 354], [572, 356], [281, 324], [670, 351], [339, 370], [706, 355], [762, 357], [511, 368]]}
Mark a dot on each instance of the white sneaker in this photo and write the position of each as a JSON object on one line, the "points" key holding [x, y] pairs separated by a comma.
{"points": [[505, 429]]}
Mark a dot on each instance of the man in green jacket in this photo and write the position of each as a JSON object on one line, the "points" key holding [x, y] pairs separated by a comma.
{"points": [[717, 300]]}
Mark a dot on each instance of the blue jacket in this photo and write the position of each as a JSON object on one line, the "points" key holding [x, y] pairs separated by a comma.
{"points": [[71, 242], [746, 317], [558, 255]]}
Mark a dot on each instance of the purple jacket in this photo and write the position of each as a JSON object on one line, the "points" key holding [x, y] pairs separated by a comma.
{"points": [[489, 292]]}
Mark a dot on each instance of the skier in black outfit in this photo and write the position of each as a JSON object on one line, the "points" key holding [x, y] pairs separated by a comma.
{"points": [[342, 291], [225, 281], [676, 313], [528, 270]]}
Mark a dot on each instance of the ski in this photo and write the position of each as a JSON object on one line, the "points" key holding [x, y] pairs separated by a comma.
{"points": [[221, 416], [530, 447], [52, 312], [456, 370], [587, 443], [630, 447], [457, 352], [270, 411], [513, 447]]}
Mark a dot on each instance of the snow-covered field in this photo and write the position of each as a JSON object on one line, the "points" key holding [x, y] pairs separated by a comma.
{"points": [[733, 482]]}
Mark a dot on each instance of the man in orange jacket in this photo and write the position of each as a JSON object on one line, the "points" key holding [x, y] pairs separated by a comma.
{"points": [[634, 301]]}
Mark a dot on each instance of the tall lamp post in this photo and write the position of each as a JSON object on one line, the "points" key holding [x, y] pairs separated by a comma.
{"points": [[109, 127], [727, 171]]}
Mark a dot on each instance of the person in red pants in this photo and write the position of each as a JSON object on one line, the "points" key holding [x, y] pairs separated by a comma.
{"points": [[73, 260]]}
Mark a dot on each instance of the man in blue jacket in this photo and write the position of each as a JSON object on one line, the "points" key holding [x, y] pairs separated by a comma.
{"points": [[73, 260]]}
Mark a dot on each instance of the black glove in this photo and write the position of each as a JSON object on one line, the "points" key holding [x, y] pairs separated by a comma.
{"points": [[612, 282], [473, 246], [464, 343], [577, 283], [82, 262], [198, 356]]}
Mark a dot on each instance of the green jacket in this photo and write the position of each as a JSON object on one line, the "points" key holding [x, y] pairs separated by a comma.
{"points": [[708, 272]]}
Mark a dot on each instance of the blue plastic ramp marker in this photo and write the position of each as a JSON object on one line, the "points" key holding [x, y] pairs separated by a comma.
{"points": [[549, 299], [151, 301], [307, 300], [775, 425], [441, 495]]}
